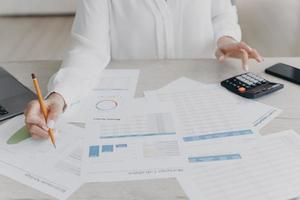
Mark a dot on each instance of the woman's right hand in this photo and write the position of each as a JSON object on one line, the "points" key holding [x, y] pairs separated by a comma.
{"points": [[34, 118]]}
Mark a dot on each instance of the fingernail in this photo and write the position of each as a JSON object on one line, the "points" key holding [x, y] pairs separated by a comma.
{"points": [[45, 128], [51, 124], [221, 58], [247, 67]]}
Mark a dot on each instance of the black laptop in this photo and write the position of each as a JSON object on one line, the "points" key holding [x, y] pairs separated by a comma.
{"points": [[13, 96]]}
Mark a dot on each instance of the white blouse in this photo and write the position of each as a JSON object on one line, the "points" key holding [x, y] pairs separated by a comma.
{"points": [[139, 29]]}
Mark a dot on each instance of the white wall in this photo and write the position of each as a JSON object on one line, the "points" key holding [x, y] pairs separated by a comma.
{"points": [[271, 26], [12, 7]]}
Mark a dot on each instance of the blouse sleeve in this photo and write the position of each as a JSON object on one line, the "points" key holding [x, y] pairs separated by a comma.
{"points": [[225, 19], [89, 53]]}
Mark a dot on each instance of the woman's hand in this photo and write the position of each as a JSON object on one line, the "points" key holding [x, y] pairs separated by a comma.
{"points": [[228, 47], [34, 118]]}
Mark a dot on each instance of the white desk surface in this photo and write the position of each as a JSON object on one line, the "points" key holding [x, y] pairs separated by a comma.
{"points": [[155, 74]]}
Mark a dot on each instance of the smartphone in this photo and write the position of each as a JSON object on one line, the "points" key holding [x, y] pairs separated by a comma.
{"points": [[284, 71]]}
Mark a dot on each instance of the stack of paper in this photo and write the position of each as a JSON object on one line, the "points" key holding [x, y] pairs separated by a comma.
{"points": [[205, 136], [57, 172], [267, 168]]}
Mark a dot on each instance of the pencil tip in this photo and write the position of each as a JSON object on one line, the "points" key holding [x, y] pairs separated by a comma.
{"points": [[33, 76]]}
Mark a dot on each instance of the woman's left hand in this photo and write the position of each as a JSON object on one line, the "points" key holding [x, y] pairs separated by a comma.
{"points": [[228, 47]]}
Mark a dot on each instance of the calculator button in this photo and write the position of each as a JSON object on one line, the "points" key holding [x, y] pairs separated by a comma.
{"points": [[249, 83], [242, 80], [242, 90]]}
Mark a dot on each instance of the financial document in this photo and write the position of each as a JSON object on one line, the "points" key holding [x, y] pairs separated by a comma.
{"points": [[200, 133], [264, 169], [114, 90], [36, 163], [211, 108], [139, 145]]}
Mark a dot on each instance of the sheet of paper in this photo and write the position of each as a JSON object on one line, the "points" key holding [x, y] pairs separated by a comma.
{"points": [[211, 108], [262, 169], [202, 110], [115, 89], [141, 145], [36, 163], [182, 84]]}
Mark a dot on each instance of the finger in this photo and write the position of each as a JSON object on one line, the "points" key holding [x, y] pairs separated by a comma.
{"points": [[237, 47], [54, 112], [37, 131], [256, 56], [220, 55], [233, 54], [33, 115], [245, 59], [36, 120], [252, 52], [36, 137], [246, 47]]}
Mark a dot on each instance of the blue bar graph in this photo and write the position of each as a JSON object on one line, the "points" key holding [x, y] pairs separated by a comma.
{"points": [[107, 148], [214, 158], [94, 151], [121, 145], [217, 135], [137, 135]]}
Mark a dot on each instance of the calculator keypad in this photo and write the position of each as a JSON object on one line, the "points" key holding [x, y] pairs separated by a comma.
{"points": [[248, 81], [250, 85]]}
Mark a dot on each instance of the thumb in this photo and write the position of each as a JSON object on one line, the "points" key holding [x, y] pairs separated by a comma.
{"points": [[55, 110], [220, 55]]}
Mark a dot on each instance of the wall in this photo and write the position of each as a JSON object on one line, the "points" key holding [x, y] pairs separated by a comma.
{"points": [[271, 26], [12, 7]]}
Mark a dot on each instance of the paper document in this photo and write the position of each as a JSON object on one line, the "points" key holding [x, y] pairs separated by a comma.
{"points": [[36, 163], [211, 108], [141, 145], [119, 81], [202, 110], [114, 90], [264, 169]]}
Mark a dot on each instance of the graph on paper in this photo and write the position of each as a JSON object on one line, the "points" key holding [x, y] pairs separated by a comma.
{"points": [[136, 126], [205, 110], [107, 105]]}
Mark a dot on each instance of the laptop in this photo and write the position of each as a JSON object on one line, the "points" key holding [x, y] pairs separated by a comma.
{"points": [[13, 96]]}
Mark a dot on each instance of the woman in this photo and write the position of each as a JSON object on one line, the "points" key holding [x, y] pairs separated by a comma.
{"points": [[138, 29]]}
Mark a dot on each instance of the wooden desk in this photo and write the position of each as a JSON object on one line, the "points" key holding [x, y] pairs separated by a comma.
{"points": [[155, 74]]}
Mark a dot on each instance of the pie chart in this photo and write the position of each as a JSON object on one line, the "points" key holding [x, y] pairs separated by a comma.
{"points": [[19, 136], [107, 105]]}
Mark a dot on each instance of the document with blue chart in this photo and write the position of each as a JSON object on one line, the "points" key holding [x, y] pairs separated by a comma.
{"points": [[209, 108], [266, 168], [139, 145]]}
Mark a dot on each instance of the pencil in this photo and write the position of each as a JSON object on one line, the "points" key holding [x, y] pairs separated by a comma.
{"points": [[43, 106]]}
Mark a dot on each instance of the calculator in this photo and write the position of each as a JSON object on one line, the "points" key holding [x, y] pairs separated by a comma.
{"points": [[250, 85]]}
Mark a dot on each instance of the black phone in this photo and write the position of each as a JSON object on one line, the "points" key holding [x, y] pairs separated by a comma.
{"points": [[284, 71]]}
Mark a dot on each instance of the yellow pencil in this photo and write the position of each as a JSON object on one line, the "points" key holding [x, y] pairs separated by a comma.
{"points": [[43, 106]]}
